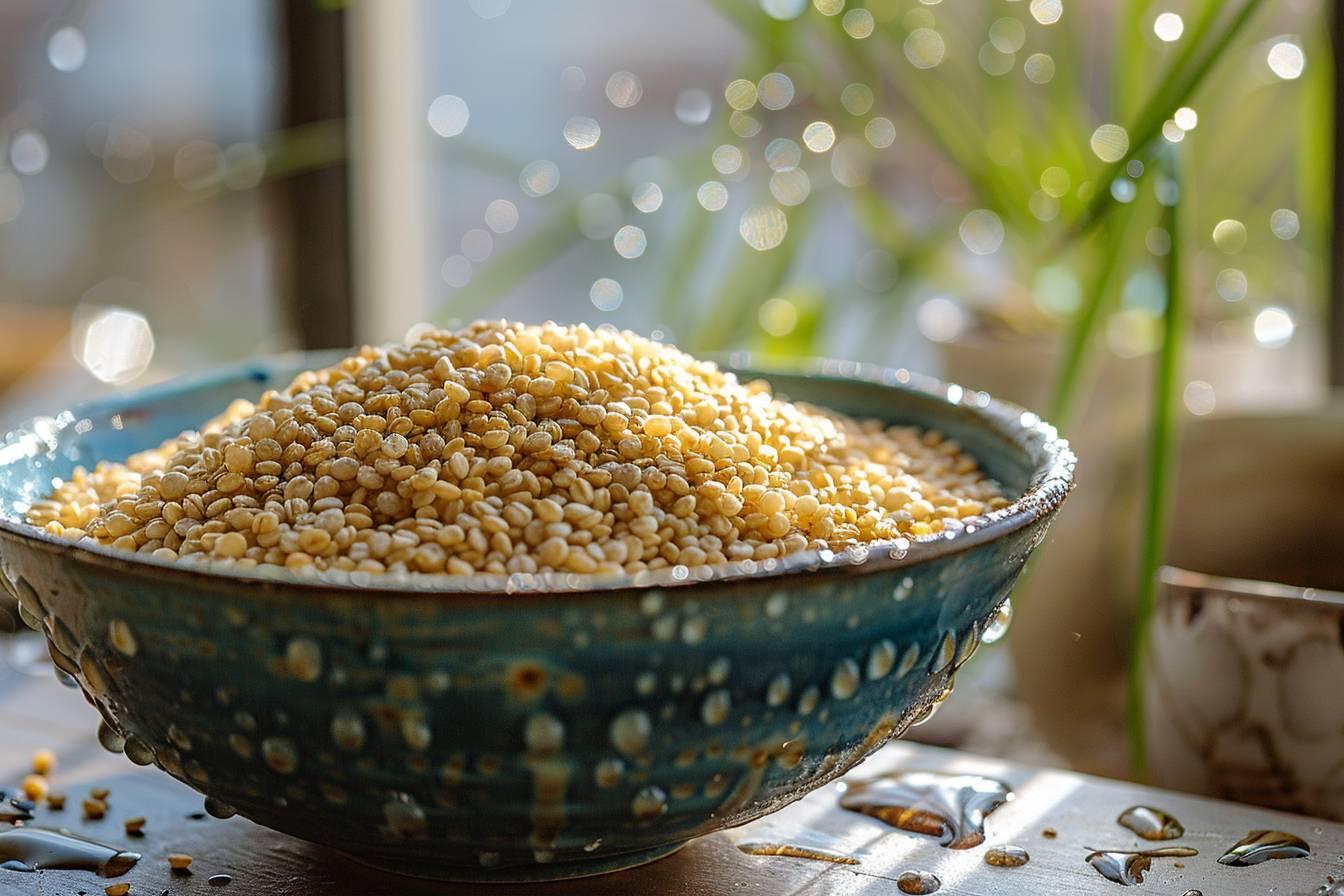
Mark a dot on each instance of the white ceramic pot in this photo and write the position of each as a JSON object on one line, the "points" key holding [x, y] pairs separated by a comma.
{"points": [[1244, 676], [1243, 692]]}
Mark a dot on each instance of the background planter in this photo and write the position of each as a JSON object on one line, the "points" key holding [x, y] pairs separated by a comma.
{"points": [[1246, 667], [1074, 608], [1242, 692]]}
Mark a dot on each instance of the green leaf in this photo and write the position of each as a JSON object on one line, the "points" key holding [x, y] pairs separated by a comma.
{"points": [[1089, 316], [1161, 458], [1199, 55]]}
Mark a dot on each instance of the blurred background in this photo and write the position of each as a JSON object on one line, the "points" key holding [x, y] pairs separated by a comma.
{"points": [[1010, 194]]}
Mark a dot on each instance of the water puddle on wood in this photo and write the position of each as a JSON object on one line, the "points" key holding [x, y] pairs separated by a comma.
{"points": [[951, 808], [50, 849]]}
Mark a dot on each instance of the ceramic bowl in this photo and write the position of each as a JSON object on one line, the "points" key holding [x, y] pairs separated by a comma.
{"points": [[520, 728]]}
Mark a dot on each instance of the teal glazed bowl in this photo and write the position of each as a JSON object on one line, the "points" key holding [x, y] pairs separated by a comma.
{"points": [[529, 727]]}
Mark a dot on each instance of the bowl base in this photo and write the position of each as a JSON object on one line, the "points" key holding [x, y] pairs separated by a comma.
{"points": [[535, 873]]}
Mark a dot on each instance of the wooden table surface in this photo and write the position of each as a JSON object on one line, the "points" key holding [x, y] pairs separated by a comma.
{"points": [[37, 712]]}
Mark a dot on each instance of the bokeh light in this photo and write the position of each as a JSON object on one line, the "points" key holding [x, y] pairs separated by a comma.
{"points": [[857, 99], [1110, 142], [647, 197], [740, 94], [456, 271], [117, 345], [477, 244], [981, 231], [28, 152], [858, 23], [624, 90], [790, 187], [1199, 398], [924, 48], [448, 115], [777, 317], [783, 9], [783, 154], [1043, 206], [501, 216], [763, 227], [1039, 68], [1047, 12], [1168, 27], [1231, 284], [819, 136], [67, 49], [1007, 34], [1055, 181], [582, 132], [880, 132], [712, 196], [1273, 326], [726, 159], [995, 62], [1229, 235], [775, 91], [606, 294], [539, 178], [1287, 60], [849, 163], [1283, 223], [940, 319], [630, 241], [693, 106]]}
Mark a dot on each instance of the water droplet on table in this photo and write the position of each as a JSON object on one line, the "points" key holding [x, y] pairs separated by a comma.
{"points": [[1128, 868], [919, 883], [1007, 856], [1262, 846], [951, 808], [1150, 823]]}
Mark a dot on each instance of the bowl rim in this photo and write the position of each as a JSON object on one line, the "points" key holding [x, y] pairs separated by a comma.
{"points": [[1049, 484], [1301, 597]]}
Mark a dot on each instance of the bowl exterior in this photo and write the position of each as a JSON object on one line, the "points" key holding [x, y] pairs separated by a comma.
{"points": [[498, 736], [451, 728]]}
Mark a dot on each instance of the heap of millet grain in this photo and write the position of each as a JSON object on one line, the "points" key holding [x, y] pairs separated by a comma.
{"points": [[509, 448]]}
